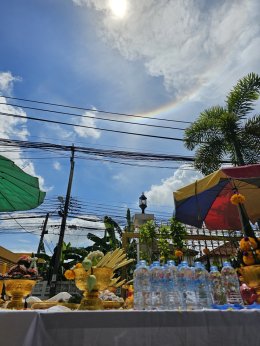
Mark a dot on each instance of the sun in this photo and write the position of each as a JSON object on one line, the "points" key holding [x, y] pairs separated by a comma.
{"points": [[118, 7]]}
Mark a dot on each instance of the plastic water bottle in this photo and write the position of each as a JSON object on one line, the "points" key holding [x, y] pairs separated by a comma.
{"points": [[137, 292], [142, 287], [157, 291], [231, 284], [180, 283], [217, 290], [187, 286], [204, 299], [172, 298]]}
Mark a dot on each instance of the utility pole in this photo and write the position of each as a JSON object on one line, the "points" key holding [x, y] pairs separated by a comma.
{"points": [[43, 232], [62, 227]]}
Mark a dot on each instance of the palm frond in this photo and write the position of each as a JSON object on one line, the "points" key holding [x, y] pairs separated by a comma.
{"points": [[205, 128], [208, 157], [252, 127], [241, 99]]}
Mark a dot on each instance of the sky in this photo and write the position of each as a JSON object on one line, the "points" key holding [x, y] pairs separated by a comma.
{"points": [[160, 59]]}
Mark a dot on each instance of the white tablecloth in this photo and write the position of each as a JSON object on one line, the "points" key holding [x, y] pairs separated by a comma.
{"points": [[102, 328]]}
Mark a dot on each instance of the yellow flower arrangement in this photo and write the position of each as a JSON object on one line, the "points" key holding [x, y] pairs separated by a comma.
{"points": [[92, 259], [248, 258], [237, 199], [247, 244], [69, 274], [178, 253]]}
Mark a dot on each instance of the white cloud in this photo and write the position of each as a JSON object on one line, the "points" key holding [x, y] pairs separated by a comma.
{"points": [[121, 178], [6, 81], [15, 128], [162, 194], [57, 166], [88, 122], [188, 43]]}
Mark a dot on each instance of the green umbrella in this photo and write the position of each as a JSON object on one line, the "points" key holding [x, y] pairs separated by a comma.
{"points": [[18, 190]]}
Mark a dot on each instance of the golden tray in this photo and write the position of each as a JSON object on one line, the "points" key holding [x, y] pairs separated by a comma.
{"points": [[47, 305], [109, 304]]}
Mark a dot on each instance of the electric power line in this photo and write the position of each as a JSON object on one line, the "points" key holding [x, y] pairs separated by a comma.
{"points": [[90, 127], [92, 110], [92, 117]]}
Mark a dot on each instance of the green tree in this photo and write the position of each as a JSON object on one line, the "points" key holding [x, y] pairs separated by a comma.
{"points": [[163, 243], [177, 232], [227, 133], [148, 235], [111, 239]]}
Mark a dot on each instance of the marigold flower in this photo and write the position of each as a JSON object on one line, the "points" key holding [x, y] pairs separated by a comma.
{"points": [[206, 251], [247, 244], [178, 253], [248, 258], [237, 198], [69, 275], [78, 265]]}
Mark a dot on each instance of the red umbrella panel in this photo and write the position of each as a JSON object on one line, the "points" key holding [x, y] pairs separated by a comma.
{"points": [[208, 199]]}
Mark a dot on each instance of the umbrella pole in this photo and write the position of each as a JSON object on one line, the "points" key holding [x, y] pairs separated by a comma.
{"points": [[246, 226]]}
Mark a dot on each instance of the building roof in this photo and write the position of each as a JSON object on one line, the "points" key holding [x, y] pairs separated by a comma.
{"points": [[9, 256]]}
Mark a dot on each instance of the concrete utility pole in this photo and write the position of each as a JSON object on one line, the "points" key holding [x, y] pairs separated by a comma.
{"points": [[62, 227], [43, 232]]}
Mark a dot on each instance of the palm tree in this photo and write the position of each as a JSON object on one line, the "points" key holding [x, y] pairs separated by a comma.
{"points": [[227, 133]]}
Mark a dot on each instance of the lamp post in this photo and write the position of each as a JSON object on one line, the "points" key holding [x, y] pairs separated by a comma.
{"points": [[139, 220], [142, 202]]}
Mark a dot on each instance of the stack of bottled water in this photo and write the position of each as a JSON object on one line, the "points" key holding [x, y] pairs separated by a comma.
{"points": [[188, 288], [231, 284]]}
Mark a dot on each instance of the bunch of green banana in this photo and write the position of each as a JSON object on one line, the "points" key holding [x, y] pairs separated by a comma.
{"points": [[91, 282], [87, 264]]}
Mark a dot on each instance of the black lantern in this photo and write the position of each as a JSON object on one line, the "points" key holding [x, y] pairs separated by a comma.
{"points": [[142, 202]]}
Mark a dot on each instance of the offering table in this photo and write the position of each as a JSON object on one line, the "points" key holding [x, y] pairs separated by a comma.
{"points": [[128, 328]]}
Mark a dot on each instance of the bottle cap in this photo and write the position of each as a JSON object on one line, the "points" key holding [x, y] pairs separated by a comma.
{"points": [[226, 264], [197, 264], [156, 263], [213, 269]]}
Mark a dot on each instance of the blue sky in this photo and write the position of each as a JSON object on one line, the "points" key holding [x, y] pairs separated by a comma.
{"points": [[158, 58]]}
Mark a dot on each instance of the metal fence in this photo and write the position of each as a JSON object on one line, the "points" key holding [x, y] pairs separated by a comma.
{"points": [[203, 244]]}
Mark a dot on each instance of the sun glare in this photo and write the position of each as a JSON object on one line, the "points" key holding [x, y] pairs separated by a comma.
{"points": [[118, 7]]}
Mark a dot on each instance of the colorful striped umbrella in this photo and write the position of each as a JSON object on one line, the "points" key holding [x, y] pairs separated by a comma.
{"points": [[208, 199]]}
